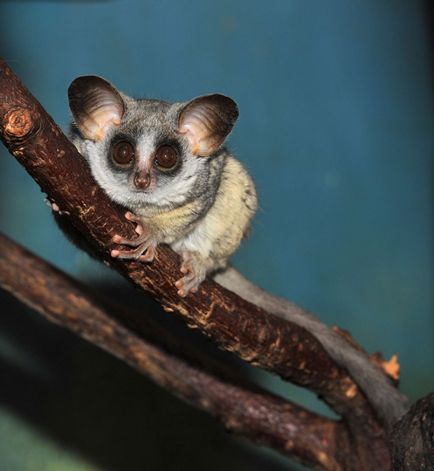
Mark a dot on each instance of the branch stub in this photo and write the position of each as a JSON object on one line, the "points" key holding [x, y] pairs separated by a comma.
{"points": [[18, 122]]}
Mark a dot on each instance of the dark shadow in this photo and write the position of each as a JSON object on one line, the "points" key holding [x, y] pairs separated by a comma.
{"points": [[90, 402]]}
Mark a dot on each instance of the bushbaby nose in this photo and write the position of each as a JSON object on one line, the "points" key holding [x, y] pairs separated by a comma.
{"points": [[142, 180]]}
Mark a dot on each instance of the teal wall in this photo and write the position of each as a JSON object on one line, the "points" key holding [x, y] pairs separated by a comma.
{"points": [[336, 128]]}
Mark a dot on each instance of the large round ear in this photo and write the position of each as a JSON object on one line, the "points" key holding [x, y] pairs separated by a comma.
{"points": [[96, 106], [206, 121]]}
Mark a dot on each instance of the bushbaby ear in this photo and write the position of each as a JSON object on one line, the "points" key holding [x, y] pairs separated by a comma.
{"points": [[96, 106], [206, 121]]}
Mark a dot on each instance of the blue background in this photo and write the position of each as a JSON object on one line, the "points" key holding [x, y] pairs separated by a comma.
{"points": [[336, 128]]}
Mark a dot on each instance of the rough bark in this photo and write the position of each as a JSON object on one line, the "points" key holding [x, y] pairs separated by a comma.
{"points": [[413, 438]]}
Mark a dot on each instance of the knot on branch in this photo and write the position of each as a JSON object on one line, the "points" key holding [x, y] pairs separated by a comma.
{"points": [[18, 123]]}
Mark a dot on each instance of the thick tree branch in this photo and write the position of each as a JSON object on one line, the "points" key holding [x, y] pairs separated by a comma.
{"points": [[244, 409]]}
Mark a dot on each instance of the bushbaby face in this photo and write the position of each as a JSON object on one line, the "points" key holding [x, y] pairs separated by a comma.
{"points": [[147, 152]]}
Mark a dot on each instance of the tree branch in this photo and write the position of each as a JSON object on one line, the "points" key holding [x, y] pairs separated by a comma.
{"points": [[279, 344], [244, 409]]}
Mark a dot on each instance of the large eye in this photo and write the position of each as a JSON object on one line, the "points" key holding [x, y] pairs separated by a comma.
{"points": [[166, 157], [123, 153]]}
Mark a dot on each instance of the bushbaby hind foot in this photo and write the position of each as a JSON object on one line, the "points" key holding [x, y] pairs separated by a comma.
{"points": [[194, 270]]}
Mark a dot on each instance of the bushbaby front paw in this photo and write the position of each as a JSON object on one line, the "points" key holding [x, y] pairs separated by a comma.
{"points": [[144, 253], [144, 249]]}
